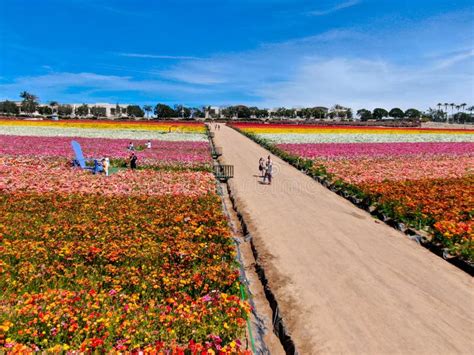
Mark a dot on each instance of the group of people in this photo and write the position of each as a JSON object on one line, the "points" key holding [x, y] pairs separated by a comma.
{"points": [[131, 147], [266, 169], [133, 157]]}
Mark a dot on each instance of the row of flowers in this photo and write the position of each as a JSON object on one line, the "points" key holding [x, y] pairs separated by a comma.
{"points": [[140, 260], [372, 150], [105, 132], [89, 272], [315, 129], [181, 126], [44, 175], [189, 154], [377, 169], [425, 185], [362, 137]]}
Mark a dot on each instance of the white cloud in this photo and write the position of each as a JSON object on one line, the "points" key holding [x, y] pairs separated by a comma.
{"points": [[79, 87], [454, 59], [367, 83], [338, 7], [345, 66]]}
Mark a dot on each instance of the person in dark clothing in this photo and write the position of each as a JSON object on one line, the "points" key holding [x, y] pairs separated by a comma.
{"points": [[133, 161]]}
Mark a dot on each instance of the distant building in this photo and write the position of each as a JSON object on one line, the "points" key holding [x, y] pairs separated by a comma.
{"points": [[111, 110], [213, 112]]}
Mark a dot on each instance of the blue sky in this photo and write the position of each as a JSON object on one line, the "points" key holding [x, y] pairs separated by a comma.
{"points": [[359, 53]]}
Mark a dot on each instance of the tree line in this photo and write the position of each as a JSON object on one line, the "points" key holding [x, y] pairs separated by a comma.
{"points": [[30, 105]]}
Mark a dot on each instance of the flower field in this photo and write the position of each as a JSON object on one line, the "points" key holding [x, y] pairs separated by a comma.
{"points": [[140, 260], [101, 129], [421, 177]]}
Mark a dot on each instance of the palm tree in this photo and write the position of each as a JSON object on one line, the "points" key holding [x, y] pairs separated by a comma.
{"points": [[439, 106], [463, 106], [452, 108], [446, 110], [147, 109], [53, 105], [470, 109], [458, 107]]}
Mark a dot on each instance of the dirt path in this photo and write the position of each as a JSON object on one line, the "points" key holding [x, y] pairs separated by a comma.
{"points": [[345, 282]]}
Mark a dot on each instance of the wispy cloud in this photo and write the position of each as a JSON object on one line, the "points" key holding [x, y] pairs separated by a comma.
{"points": [[454, 59], [348, 67], [335, 8], [79, 87], [157, 56]]}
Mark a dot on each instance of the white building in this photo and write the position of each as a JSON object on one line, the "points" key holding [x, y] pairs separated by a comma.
{"points": [[110, 109]]}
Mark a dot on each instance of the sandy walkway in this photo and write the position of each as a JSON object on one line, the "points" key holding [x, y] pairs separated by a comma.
{"points": [[345, 282]]}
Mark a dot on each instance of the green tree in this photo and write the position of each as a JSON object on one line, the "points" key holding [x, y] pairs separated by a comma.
{"points": [[29, 103], [412, 113], [396, 113], [242, 111], [461, 117], [198, 113], [64, 110], [182, 111], [98, 111], [349, 114], [319, 112], [45, 110], [228, 112], [470, 109], [261, 113], [82, 111], [9, 108], [364, 114], [379, 113], [135, 111], [164, 111]]}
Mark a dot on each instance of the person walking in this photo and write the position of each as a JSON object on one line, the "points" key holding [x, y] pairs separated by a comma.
{"points": [[133, 161], [269, 171], [261, 167], [148, 144]]}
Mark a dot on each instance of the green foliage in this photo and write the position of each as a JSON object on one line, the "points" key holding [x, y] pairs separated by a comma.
{"points": [[182, 111], [45, 110], [82, 110], [98, 111], [379, 113], [412, 113], [164, 111], [396, 113], [135, 111], [462, 117], [364, 114], [29, 103], [9, 107], [64, 110]]}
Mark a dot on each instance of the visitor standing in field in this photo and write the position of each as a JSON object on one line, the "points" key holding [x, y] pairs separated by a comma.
{"points": [[133, 161], [130, 146], [148, 144], [261, 167], [106, 164], [269, 171]]}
